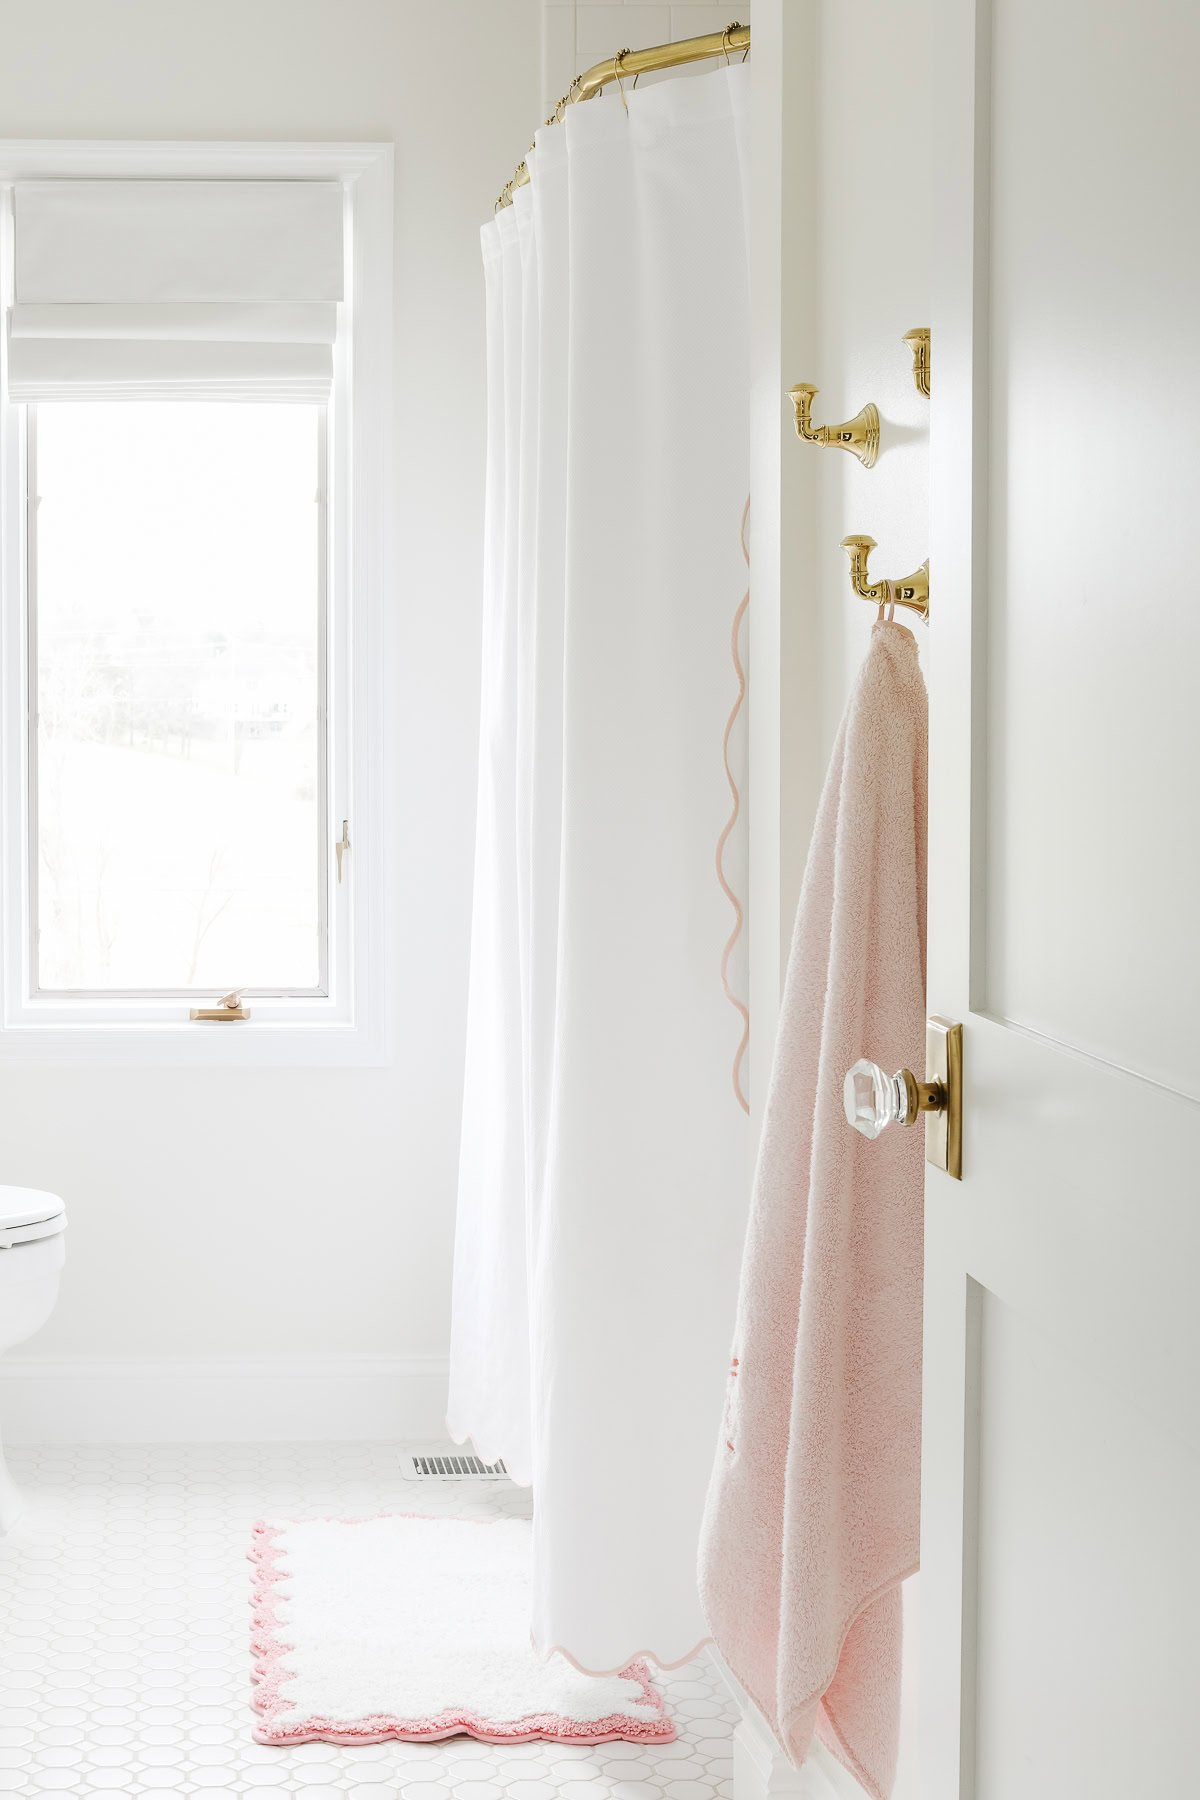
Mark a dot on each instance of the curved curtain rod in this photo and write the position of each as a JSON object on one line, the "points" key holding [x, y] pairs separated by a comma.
{"points": [[636, 62]]}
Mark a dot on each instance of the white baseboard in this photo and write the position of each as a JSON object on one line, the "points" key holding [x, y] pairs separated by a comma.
{"points": [[762, 1772], [827, 1779], [213, 1400], [760, 1769]]}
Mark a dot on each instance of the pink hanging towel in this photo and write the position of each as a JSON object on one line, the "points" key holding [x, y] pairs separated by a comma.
{"points": [[813, 1511]]}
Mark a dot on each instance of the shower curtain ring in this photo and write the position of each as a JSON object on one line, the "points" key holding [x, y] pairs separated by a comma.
{"points": [[618, 59]]}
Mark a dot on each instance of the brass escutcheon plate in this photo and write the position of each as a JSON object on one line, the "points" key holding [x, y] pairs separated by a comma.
{"points": [[944, 1064]]}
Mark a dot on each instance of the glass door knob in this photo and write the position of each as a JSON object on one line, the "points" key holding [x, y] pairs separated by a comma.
{"points": [[873, 1099]]}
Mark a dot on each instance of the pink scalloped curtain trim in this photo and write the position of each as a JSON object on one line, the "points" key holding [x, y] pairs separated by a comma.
{"points": [[269, 1648], [735, 795]]}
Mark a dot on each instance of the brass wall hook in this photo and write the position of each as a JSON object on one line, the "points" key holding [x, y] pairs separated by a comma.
{"points": [[918, 339], [859, 435], [911, 590]]}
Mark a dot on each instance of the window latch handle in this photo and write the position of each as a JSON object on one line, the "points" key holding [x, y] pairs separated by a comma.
{"points": [[228, 1007], [341, 847]]}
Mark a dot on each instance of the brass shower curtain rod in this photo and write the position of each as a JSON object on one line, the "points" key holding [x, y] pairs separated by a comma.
{"points": [[637, 62]]}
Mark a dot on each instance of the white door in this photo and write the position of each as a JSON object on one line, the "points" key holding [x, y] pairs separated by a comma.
{"points": [[1060, 1568]]}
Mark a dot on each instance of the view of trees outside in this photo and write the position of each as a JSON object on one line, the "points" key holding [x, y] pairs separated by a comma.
{"points": [[177, 640]]}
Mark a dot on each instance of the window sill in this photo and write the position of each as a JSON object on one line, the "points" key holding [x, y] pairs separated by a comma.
{"points": [[184, 1043]]}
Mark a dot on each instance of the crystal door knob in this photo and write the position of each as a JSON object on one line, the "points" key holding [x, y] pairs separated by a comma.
{"points": [[873, 1099]]}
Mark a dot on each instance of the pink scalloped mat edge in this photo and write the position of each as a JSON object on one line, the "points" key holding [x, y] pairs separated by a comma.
{"points": [[270, 1677]]}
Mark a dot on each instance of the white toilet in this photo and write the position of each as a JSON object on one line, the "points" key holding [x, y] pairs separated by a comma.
{"points": [[32, 1253]]}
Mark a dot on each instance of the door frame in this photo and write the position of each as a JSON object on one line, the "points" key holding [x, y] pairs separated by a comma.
{"points": [[958, 466]]}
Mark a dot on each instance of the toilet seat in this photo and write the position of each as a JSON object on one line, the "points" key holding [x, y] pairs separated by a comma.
{"points": [[27, 1214]]}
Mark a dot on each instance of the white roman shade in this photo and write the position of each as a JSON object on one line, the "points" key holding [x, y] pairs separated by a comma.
{"points": [[176, 290]]}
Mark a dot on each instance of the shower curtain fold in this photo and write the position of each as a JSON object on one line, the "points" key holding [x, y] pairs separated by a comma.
{"points": [[603, 1177]]}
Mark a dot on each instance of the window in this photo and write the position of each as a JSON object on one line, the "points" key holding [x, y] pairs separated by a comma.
{"points": [[193, 434], [177, 754]]}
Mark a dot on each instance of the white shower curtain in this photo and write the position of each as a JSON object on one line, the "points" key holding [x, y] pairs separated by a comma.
{"points": [[603, 1176]]}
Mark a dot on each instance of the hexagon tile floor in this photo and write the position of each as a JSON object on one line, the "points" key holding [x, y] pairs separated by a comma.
{"points": [[124, 1661]]}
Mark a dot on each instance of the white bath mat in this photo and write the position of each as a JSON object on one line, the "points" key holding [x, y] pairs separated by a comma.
{"points": [[418, 1628]]}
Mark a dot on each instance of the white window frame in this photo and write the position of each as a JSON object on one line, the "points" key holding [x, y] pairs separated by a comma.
{"points": [[348, 1024]]}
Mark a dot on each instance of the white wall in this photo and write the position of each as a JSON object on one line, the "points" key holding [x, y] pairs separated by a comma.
{"points": [[302, 1213], [872, 253]]}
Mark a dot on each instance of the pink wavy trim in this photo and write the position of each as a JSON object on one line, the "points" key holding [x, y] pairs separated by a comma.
{"points": [[739, 916], [271, 1677]]}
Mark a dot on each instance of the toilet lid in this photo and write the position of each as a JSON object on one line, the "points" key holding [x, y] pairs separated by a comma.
{"points": [[28, 1213]]}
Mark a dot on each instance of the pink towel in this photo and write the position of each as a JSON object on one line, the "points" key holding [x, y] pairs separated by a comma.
{"points": [[813, 1510]]}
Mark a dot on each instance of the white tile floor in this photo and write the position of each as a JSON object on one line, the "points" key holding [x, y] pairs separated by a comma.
{"points": [[124, 1663]]}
